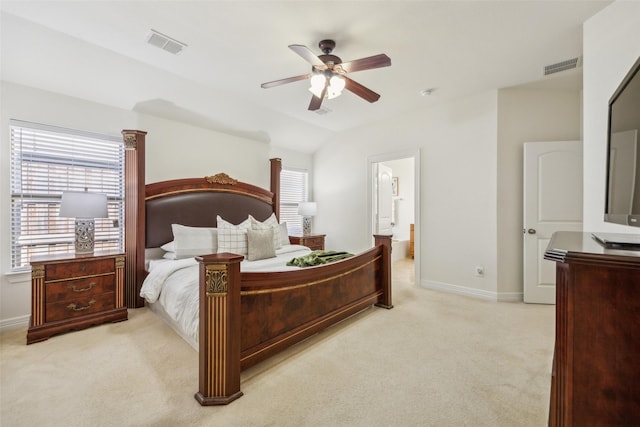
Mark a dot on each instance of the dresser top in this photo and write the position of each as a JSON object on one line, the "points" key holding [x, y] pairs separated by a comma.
{"points": [[566, 245], [73, 257]]}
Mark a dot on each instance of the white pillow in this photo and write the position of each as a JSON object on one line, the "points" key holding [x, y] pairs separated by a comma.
{"points": [[260, 244], [169, 247], [192, 241], [169, 255], [232, 238], [270, 223], [284, 235]]}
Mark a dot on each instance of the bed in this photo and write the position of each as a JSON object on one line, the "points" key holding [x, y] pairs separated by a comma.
{"points": [[248, 316]]}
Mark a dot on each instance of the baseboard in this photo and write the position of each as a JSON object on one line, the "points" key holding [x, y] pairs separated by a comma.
{"points": [[510, 296], [472, 292], [14, 323]]}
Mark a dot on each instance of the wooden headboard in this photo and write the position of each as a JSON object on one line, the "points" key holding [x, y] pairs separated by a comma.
{"points": [[151, 209], [205, 198]]}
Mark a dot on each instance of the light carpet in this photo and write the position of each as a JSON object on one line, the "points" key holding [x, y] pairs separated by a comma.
{"points": [[435, 359]]}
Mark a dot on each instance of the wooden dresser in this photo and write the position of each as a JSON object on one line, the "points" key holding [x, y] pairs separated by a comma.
{"points": [[411, 241], [74, 292], [596, 364], [313, 241]]}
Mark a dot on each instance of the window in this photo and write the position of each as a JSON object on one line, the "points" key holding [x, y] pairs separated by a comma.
{"points": [[294, 189], [45, 161]]}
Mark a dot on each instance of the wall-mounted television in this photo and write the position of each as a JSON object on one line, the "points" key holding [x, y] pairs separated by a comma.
{"points": [[622, 204]]}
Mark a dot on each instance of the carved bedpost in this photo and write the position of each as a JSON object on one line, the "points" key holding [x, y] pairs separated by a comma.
{"points": [[219, 346], [276, 168], [134, 215], [385, 299]]}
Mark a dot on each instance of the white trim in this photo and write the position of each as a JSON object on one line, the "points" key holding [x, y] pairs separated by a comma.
{"points": [[472, 292], [15, 323], [18, 276], [510, 297], [460, 290]]}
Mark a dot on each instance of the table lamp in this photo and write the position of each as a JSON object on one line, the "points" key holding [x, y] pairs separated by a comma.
{"points": [[84, 207], [307, 210]]}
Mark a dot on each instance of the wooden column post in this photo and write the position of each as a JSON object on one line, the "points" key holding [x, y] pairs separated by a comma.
{"points": [[219, 334], [385, 298], [134, 215], [37, 295], [276, 168], [120, 281]]}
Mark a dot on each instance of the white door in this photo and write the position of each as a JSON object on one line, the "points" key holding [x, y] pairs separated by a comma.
{"points": [[552, 202], [384, 201]]}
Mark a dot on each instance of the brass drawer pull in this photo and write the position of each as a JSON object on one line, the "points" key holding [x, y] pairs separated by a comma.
{"points": [[73, 287], [74, 307]]}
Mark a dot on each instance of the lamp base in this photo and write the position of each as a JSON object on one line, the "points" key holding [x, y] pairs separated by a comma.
{"points": [[85, 235], [306, 225]]}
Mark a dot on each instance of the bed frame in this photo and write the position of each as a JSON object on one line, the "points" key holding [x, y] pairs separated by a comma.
{"points": [[248, 317]]}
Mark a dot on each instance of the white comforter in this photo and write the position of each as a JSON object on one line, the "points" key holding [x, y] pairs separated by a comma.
{"points": [[174, 285]]}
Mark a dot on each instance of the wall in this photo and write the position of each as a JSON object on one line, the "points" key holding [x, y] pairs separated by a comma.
{"points": [[471, 183], [611, 46], [525, 115], [200, 152], [457, 143]]}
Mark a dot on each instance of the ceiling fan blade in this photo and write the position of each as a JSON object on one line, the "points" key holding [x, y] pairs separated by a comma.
{"points": [[317, 102], [283, 81], [308, 56], [376, 61], [363, 92]]}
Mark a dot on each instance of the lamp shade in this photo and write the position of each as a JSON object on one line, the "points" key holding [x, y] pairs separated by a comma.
{"points": [[318, 82], [307, 208], [82, 204], [336, 85]]}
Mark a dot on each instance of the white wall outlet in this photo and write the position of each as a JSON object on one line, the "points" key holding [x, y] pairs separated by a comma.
{"points": [[479, 271]]}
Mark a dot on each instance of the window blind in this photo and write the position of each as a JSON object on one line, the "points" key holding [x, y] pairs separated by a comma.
{"points": [[47, 160], [293, 190]]}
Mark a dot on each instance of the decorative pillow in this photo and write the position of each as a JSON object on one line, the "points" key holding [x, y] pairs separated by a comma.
{"points": [[170, 255], [169, 247], [192, 241], [260, 244], [270, 223], [232, 238], [284, 235]]}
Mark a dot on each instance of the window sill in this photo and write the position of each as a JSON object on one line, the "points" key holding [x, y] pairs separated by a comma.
{"points": [[18, 276]]}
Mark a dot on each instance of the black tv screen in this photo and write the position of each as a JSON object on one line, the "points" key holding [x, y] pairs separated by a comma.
{"points": [[623, 154]]}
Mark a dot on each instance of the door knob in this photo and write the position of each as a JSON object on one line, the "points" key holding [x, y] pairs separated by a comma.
{"points": [[531, 231]]}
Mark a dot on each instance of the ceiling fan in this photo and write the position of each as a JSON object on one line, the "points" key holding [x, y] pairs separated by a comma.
{"points": [[328, 73]]}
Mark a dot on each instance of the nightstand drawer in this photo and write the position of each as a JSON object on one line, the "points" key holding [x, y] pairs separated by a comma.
{"points": [[80, 306], [70, 289], [69, 270], [71, 292], [314, 242]]}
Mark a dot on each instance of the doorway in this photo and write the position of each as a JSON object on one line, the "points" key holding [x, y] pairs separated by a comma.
{"points": [[396, 206]]}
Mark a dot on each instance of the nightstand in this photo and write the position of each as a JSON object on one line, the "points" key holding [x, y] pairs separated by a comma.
{"points": [[70, 292], [313, 241]]}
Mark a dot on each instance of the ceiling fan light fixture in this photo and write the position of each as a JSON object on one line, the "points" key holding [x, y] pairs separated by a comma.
{"points": [[336, 85], [318, 82], [327, 78]]}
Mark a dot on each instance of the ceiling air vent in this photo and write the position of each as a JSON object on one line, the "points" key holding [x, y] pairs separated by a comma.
{"points": [[322, 111], [569, 64], [165, 43]]}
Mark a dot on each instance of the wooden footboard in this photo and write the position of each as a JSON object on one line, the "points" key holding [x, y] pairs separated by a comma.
{"points": [[248, 317]]}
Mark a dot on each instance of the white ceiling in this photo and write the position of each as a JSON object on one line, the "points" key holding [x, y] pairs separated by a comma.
{"points": [[97, 50]]}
